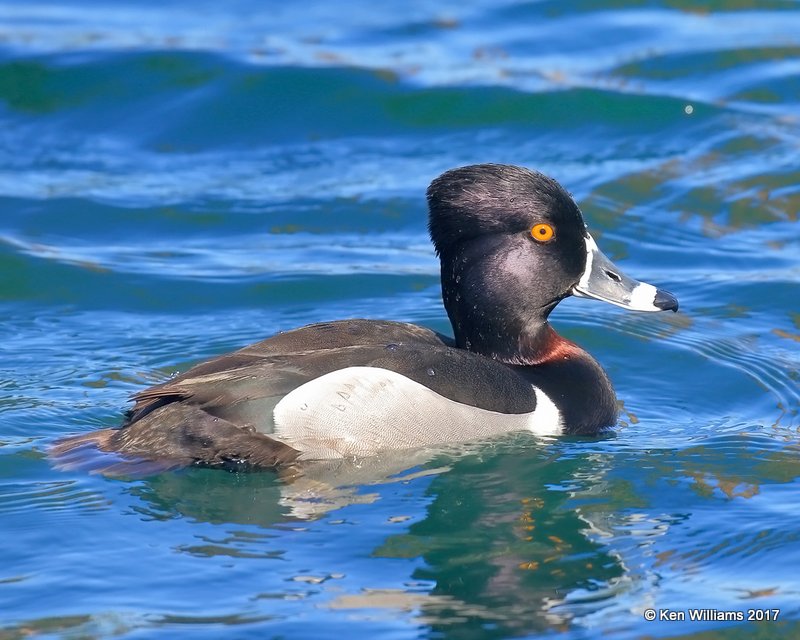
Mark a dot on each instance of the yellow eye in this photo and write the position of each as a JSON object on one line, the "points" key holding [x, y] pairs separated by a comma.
{"points": [[542, 232]]}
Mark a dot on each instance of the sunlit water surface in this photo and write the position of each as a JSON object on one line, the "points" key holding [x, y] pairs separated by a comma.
{"points": [[178, 179]]}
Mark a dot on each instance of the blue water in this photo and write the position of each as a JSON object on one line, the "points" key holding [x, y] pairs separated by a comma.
{"points": [[178, 179]]}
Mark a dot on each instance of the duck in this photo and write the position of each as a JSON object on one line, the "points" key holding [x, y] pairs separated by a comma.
{"points": [[512, 243]]}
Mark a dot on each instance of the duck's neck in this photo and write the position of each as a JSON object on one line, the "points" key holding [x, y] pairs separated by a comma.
{"points": [[528, 346], [566, 373], [546, 346]]}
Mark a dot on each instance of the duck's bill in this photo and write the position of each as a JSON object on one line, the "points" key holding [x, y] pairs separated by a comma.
{"points": [[602, 280]]}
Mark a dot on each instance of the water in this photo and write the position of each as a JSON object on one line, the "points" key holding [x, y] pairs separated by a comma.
{"points": [[178, 179]]}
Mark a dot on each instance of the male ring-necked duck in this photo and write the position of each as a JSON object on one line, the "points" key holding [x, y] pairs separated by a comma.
{"points": [[512, 245]]}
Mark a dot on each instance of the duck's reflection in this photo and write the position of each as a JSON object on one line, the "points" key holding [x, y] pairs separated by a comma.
{"points": [[501, 546], [306, 491], [497, 546]]}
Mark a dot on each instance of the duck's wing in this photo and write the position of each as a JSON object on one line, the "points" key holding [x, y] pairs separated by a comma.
{"points": [[349, 401], [272, 402], [261, 359], [247, 394], [345, 333]]}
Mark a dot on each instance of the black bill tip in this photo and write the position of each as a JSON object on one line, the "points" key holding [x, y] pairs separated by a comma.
{"points": [[665, 301]]}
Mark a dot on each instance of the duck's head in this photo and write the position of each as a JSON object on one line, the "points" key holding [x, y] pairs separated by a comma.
{"points": [[513, 244]]}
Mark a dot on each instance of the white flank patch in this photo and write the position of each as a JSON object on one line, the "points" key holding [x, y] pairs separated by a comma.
{"points": [[546, 418], [362, 411]]}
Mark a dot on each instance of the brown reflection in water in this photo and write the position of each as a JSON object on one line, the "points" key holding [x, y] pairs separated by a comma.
{"points": [[504, 551], [86, 627], [725, 206]]}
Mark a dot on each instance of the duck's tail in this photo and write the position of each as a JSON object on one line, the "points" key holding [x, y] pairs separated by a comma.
{"points": [[172, 436], [95, 453], [100, 440]]}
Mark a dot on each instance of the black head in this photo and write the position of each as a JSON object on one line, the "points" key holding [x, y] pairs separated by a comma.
{"points": [[512, 244]]}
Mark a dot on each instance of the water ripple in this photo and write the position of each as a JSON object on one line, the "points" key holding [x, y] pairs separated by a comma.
{"points": [[59, 496], [178, 181]]}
